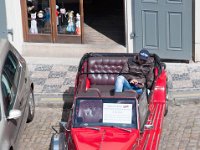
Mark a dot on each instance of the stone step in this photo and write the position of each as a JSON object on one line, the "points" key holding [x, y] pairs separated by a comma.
{"points": [[67, 50]]}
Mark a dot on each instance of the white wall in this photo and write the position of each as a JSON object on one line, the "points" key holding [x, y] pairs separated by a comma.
{"points": [[14, 21], [197, 30], [129, 25]]}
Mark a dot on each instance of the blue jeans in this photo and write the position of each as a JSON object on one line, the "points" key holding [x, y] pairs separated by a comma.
{"points": [[122, 84]]}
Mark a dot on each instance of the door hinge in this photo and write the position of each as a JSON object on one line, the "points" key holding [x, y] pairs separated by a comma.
{"points": [[10, 31], [132, 35]]}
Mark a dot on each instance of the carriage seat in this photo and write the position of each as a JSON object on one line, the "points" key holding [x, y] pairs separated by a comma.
{"points": [[102, 72]]}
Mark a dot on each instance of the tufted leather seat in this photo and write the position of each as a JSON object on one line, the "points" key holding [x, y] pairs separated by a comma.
{"points": [[104, 70], [101, 74]]}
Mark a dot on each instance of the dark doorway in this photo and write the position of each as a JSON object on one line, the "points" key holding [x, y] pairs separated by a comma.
{"points": [[107, 18]]}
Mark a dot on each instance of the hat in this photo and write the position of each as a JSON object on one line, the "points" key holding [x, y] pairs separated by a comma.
{"points": [[144, 54]]}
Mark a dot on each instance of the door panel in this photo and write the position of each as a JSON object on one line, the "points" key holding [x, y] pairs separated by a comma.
{"points": [[11, 86], [164, 27], [150, 34], [174, 30]]}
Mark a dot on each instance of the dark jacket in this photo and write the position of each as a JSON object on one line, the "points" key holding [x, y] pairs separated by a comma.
{"points": [[143, 73]]}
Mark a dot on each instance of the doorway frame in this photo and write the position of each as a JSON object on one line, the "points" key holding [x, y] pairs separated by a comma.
{"points": [[129, 25]]}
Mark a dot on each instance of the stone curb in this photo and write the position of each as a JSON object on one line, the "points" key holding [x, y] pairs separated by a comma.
{"points": [[184, 97], [185, 101], [53, 100], [60, 100]]}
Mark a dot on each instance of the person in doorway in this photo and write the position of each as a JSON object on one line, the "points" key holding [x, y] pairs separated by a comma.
{"points": [[136, 74]]}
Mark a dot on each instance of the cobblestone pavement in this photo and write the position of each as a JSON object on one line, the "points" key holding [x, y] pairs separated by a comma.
{"points": [[181, 130], [57, 78], [52, 80], [49, 78], [37, 134]]}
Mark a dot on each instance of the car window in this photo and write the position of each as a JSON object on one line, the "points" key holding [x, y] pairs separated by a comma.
{"points": [[9, 80], [105, 112], [12, 68], [6, 92]]}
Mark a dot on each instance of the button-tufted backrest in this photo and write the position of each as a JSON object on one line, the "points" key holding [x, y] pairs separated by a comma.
{"points": [[104, 70]]}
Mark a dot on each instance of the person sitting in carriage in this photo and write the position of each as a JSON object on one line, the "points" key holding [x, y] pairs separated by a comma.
{"points": [[136, 74]]}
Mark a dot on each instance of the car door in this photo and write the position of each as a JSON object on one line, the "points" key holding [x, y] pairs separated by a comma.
{"points": [[11, 84]]}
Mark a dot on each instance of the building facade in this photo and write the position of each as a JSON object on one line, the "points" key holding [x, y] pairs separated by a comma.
{"points": [[72, 27]]}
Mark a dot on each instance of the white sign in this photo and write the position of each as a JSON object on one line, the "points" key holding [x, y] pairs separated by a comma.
{"points": [[117, 113]]}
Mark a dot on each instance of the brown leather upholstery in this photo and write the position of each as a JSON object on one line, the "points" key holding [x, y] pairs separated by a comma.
{"points": [[102, 69], [91, 92], [102, 73]]}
